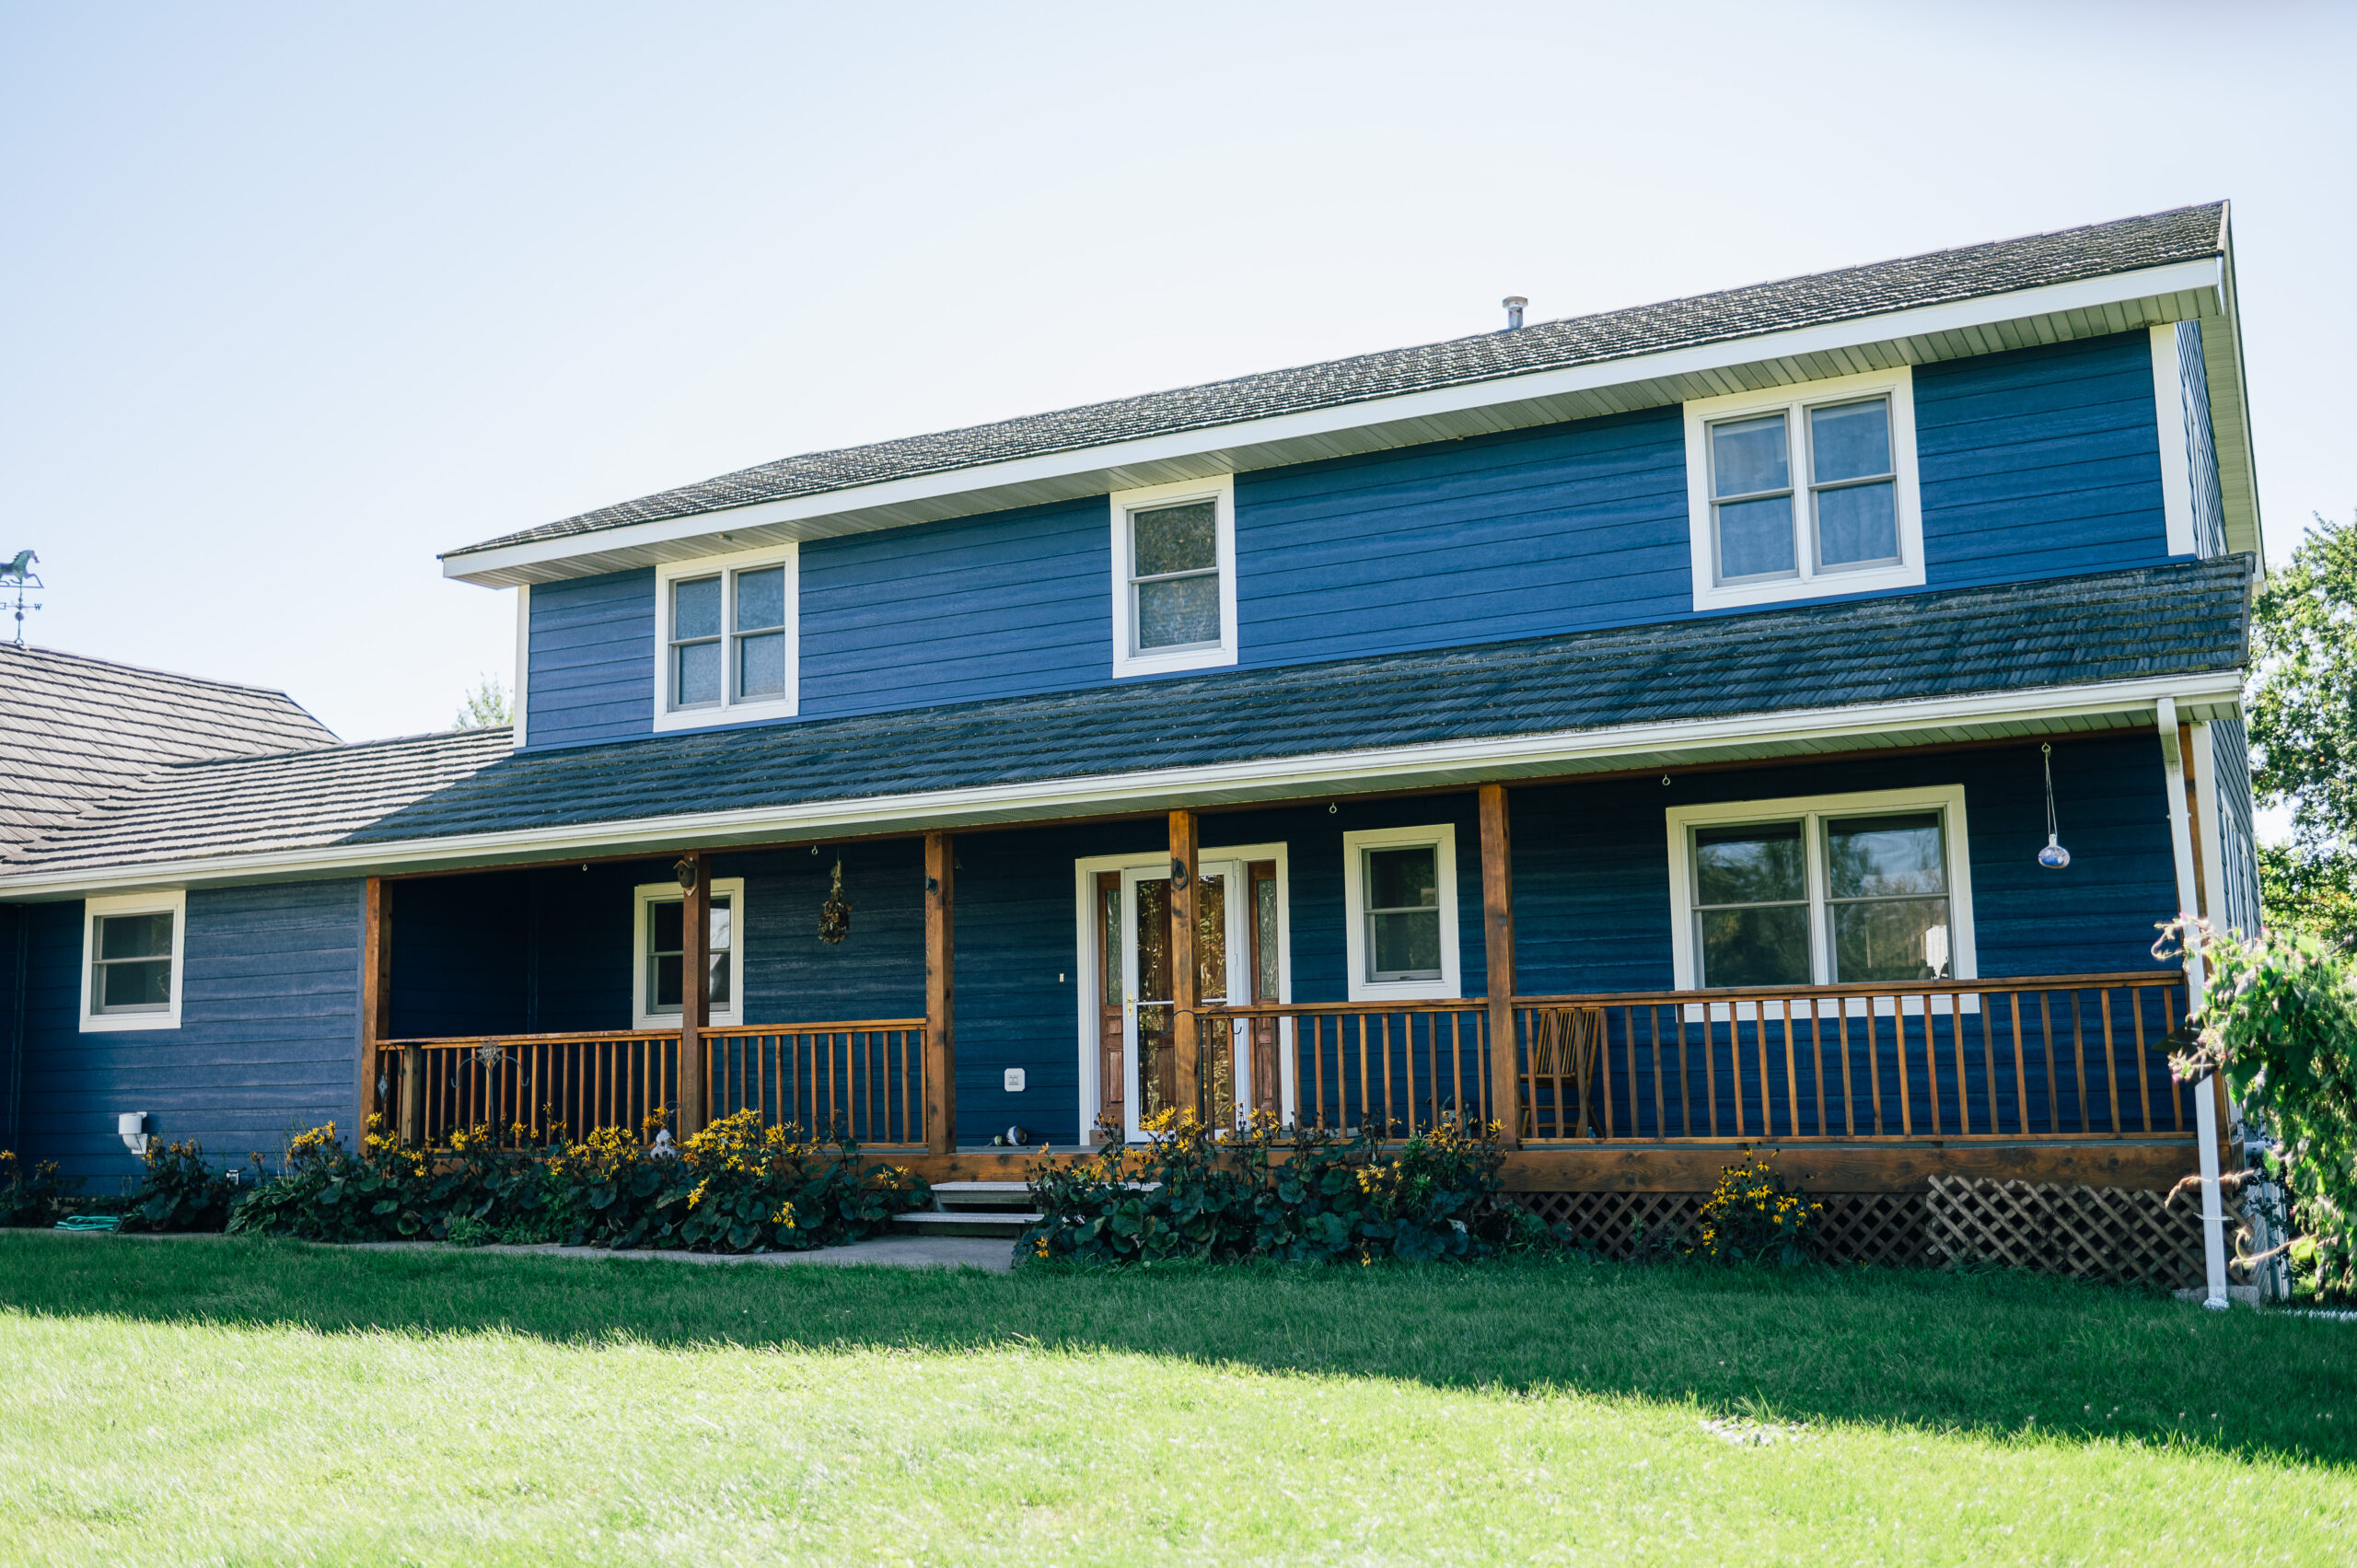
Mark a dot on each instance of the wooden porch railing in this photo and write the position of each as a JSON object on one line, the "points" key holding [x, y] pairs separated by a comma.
{"points": [[2070, 1056], [865, 1079], [1399, 1068]]}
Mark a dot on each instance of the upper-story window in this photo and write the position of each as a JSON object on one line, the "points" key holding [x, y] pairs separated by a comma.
{"points": [[1806, 490], [131, 964], [1174, 577], [725, 638]]}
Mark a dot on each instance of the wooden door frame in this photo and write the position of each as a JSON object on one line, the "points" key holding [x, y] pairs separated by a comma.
{"points": [[1087, 979]]}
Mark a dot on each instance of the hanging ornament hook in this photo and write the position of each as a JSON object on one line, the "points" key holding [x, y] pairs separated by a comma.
{"points": [[2054, 857]]}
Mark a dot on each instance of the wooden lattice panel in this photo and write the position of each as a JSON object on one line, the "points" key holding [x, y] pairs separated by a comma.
{"points": [[1618, 1225], [2103, 1232], [1871, 1227]]}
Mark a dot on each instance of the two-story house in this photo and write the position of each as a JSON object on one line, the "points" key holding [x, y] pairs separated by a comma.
{"points": [[1643, 730]]}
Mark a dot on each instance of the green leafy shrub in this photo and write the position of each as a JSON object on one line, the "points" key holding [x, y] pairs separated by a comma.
{"points": [[1752, 1217], [180, 1191], [33, 1195], [1300, 1195], [2279, 1018], [735, 1187]]}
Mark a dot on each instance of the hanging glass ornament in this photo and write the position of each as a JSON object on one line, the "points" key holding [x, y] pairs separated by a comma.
{"points": [[2054, 857], [834, 915]]}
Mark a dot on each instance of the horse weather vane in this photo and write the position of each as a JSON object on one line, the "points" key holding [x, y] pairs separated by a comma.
{"points": [[19, 574]]}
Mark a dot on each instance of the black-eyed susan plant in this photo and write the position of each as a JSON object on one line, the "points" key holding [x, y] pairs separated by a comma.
{"points": [[1297, 1194], [32, 1193], [180, 1190], [1752, 1217]]}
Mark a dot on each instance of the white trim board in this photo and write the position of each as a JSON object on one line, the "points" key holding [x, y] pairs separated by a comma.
{"points": [[519, 700], [2177, 462], [2085, 307], [1862, 727], [173, 901]]}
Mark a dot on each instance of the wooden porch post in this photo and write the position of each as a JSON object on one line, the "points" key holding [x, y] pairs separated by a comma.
{"points": [[940, 994], [1497, 936], [1185, 978], [375, 1012], [695, 987]]}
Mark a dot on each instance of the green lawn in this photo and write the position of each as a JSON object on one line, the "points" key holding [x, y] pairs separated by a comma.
{"points": [[257, 1402]]}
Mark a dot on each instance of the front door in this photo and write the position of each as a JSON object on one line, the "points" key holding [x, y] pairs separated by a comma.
{"points": [[1146, 1075]]}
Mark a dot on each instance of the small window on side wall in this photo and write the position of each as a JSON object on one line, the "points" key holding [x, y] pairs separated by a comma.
{"points": [[132, 948], [1400, 891], [725, 635], [1174, 577], [1804, 491]]}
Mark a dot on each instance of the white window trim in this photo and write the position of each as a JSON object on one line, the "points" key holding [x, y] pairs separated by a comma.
{"points": [[1084, 970], [1451, 981], [731, 710], [1948, 800], [648, 893], [1898, 386], [175, 901], [1221, 491]]}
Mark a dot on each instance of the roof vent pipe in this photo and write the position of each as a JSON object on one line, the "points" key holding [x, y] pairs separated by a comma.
{"points": [[1513, 304]]}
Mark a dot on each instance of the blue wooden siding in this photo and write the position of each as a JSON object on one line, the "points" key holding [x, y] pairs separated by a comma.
{"points": [[2235, 905], [591, 673], [2200, 445], [269, 1035], [2039, 462], [16, 932], [994, 606]]}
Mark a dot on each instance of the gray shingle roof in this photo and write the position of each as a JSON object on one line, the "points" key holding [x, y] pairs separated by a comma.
{"points": [[2186, 618], [1974, 271], [77, 730]]}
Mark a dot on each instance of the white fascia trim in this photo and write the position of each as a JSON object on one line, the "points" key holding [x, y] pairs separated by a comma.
{"points": [[1451, 983], [1963, 958], [646, 893], [2204, 273], [521, 700], [730, 709], [1808, 582], [172, 899], [1443, 762], [2176, 462], [1220, 490]]}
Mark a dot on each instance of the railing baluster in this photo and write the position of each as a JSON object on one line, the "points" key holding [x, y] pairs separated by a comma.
{"points": [[2111, 1063]]}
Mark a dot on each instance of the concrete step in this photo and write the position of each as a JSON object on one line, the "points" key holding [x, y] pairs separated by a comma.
{"points": [[981, 1195], [963, 1222]]}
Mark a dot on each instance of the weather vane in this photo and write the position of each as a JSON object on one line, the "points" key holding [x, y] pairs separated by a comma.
{"points": [[19, 574]]}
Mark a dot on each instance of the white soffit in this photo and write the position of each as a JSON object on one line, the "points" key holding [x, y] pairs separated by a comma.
{"points": [[2058, 312]]}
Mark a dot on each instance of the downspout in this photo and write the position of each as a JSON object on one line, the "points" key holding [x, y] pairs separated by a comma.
{"points": [[2205, 1100]]}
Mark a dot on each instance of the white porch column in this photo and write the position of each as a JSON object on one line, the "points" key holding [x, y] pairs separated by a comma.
{"points": [[2205, 1098]]}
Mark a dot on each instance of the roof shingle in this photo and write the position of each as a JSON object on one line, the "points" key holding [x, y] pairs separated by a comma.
{"points": [[1973, 271], [2185, 618]]}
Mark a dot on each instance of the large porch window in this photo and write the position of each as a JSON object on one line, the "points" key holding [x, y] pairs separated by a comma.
{"points": [[659, 941], [1830, 890]]}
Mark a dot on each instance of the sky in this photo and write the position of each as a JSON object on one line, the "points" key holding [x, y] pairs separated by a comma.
{"points": [[292, 298]]}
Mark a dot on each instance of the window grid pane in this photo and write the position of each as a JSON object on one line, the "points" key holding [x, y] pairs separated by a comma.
{"points": [[1853, 484], [1403, 913], [132, 965], [1174, 575], [666, 953]]}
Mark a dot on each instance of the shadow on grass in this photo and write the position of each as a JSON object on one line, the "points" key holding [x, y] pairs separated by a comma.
{"points": [[2002, 1355]]}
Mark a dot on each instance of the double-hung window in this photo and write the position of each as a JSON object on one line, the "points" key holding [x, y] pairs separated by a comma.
{"points": [[659, 989], [1804, 491], [132, 946], [1837, 889], [1174, 577], [725, 635], [1399, 889]]}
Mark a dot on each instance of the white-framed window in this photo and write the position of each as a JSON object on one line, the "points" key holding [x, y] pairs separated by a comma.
{"points": [[658, 947], [1801, 492], [1400, 891], [1174, 577], [1827, 889], [132, 945], [727, 638]]}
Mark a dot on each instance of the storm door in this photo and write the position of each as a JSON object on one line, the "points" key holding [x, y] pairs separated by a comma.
{"points": [[1147, 1073]]}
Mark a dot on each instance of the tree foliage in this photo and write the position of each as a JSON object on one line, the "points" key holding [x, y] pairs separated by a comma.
{"points": [[2304, 725], [2279, 1018], [485, 707]]}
